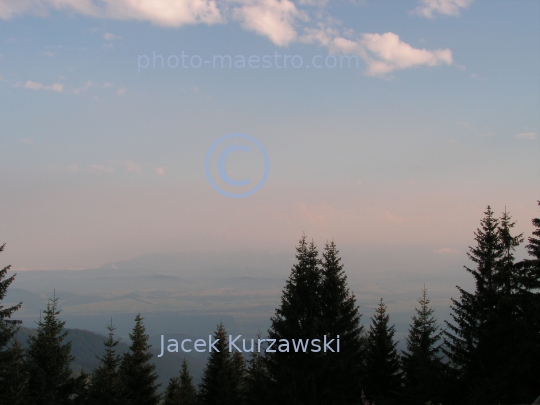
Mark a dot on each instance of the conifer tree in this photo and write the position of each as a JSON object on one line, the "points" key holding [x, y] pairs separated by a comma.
{"points": [[105, 387], [48, 362], [219, 382], [137, 374], [13, 377], [172, 392], [340, 317], [383, 375], [257, 379], [474, 311], [298, 378], [239, 375], [181, 390], [188, 393], [534, 243], [530, 267], [494, 342], [423, 370], [10, 350], [527, 326]]}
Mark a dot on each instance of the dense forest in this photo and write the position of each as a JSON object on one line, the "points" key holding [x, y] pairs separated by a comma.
{"points": [[488, 353]]}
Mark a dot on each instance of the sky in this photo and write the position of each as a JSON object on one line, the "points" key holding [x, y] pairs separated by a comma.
{"points": [[386, 125]]}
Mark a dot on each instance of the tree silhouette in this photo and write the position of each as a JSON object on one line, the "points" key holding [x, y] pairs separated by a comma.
{"points": [[137, 374], [383, 379], [105, 387]]}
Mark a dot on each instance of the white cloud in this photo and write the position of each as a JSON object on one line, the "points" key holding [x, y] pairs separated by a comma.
{"points": [[131, 166], [386, 53], [107, 36], [429, 8], [100, 169], [383, 53], [278, 20], [59, 88], [84, 88], [160, 170], [10, 8], [162, 12], [27, 141], [172, 13], [271, 18], [446, 251], [527, 135], [318, 3], [121, 91]]}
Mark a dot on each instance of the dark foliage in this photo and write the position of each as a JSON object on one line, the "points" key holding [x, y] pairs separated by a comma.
{"points": [[383, 376], [220, 382], [137, 374], [12, 379], [104, 385], [493, 342], [48, 360], [298, 378], [425, 375]]}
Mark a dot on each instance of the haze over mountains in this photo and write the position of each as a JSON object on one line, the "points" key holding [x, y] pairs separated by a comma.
{"points": [[189, 293]]}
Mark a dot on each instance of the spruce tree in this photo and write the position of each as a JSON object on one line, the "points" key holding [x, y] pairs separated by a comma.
{"points": [[137, 374], [467, 339], [257, 379], [219, 381], [13, 379], [423, 370], [10, 350], [298, 378], [239, 376], [494, 341], [528, 328], [340, 317], [172, 392], [105, 387], [181, 390], [188, 393], [48, 361], [383, 375]]}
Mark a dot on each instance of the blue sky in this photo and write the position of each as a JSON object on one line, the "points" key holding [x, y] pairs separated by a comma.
{"points": [[102, 161]]}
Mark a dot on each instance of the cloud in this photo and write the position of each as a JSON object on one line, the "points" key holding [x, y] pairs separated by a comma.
{"points": [[271, 18], [100, 169], [318, 3], [107, 36], [57, 87], [452, 8], [131, 166], [160, 170], [9, 9], [383, 53], [281, 21], [171, 13], [393, 219], [121, 91], [446, 251], [526, 135], [27, 141], [386, 53], [84, 88]]}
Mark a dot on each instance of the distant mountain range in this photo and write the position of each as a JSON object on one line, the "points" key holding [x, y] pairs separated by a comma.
{"points": [[190, 293]]}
